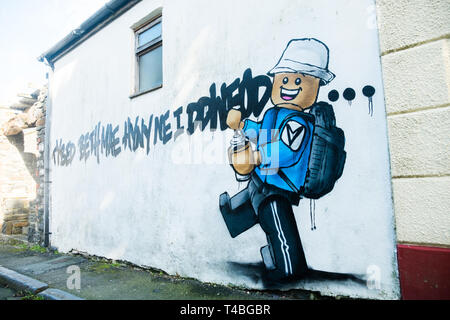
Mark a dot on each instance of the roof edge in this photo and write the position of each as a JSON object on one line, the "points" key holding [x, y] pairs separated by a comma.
{"points": [[106, 14]]}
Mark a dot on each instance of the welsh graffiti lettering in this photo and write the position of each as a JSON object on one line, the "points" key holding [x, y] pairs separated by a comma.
{"points": [[243, 95], [207, 109], [248, 95], [136, 136], [101, 140], [63, 153]]}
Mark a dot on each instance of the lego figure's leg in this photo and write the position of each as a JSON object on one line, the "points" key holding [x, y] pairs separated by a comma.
{"points": [[237, 212], [278, 222]]}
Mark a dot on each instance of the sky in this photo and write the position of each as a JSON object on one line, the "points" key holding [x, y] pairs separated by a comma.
{"points": [[27, 29]]}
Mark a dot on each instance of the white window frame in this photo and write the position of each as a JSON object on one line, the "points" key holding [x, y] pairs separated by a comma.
{"points": [[141, 50]]}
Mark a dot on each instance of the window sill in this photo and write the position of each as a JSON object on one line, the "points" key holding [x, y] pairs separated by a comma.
{"points": [[144, 92]]}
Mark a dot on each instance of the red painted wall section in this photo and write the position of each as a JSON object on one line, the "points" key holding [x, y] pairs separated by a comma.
{"points": [[424, 272]]}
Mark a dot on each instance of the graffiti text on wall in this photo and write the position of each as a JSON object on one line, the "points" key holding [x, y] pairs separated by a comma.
{"points": [[105, 140]]}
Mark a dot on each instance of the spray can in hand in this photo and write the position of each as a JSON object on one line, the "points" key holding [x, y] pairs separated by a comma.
{"points": [[240, 155]]}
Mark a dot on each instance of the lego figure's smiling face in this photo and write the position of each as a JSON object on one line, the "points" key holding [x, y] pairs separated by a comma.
{"points": [[294, 90]]}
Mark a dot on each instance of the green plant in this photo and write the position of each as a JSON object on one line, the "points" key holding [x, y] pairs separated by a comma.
{"points": [[27, 295], [38, 248], [105, 266], [35, 248], [32, 297]]}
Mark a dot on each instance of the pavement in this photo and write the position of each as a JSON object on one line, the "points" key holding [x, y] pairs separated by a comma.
{"points": [[7, 293], [33, 269]]}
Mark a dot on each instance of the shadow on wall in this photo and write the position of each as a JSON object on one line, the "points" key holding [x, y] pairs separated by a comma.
{"points": [[256, 272]]}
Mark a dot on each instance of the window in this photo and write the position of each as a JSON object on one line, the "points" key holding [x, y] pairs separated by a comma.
{"points": [[149, 57]]}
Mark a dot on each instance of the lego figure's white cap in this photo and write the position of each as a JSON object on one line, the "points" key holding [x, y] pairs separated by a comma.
{"points": [[308, 56]]}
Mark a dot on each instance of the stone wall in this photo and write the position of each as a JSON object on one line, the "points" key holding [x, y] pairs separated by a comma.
{"points": [[15, 216], [36, 231], [17, 183], [21, 166]]}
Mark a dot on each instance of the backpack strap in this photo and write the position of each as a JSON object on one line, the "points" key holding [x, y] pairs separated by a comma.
{"points": [[288, 182]]}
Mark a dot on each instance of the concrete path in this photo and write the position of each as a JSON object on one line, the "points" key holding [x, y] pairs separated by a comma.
{"points": [[102, 279], [6, 293]]}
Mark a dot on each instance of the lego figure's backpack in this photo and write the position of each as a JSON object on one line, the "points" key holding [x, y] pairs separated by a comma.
{"points": [[327, 158]]}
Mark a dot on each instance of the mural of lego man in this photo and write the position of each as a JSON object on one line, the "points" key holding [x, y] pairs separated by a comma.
{"points": [[277, 168]]}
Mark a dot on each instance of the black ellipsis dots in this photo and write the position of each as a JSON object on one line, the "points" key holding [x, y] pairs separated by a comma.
{"points": [[349, 94], [333, 95], [368, 91]]}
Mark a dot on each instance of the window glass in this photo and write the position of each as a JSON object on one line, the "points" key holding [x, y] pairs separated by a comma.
{"points": [[150, 34], [150, 69]]}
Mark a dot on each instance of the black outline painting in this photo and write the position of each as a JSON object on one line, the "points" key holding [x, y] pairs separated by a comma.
{"points": [[292, 152], [296, 151]]}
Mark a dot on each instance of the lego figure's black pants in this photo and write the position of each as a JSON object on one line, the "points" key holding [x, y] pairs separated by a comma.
{"points": [[277, 219], [271, 207]]}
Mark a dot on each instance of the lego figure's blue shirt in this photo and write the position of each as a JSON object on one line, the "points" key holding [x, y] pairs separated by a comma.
{"points": [[283, 138]]}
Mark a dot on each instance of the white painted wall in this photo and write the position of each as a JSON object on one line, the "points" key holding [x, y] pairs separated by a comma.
{"points": [[153, 210]]}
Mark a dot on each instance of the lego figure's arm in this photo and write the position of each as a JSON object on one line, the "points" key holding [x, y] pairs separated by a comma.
{"points": [[251, 130], [276, 155]]}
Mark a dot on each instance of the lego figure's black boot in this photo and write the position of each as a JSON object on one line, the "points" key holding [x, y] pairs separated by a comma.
{"points": [[237, 212]]}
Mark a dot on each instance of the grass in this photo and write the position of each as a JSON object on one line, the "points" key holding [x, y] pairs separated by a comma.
{"points": [[103, 267], [38, 248], [31, 296], [34, 248], [27, 295]]}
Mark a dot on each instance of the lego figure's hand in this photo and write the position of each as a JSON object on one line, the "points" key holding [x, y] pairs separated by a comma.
{"points": [[257, 158], [245, 161], [234, 119]]}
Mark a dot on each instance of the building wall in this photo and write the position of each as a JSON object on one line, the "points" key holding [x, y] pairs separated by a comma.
{"points": [[415, 49], [158, 204]]}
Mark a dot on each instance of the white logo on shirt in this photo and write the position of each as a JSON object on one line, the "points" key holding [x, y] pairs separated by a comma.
{"points": [[293, 134]]}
